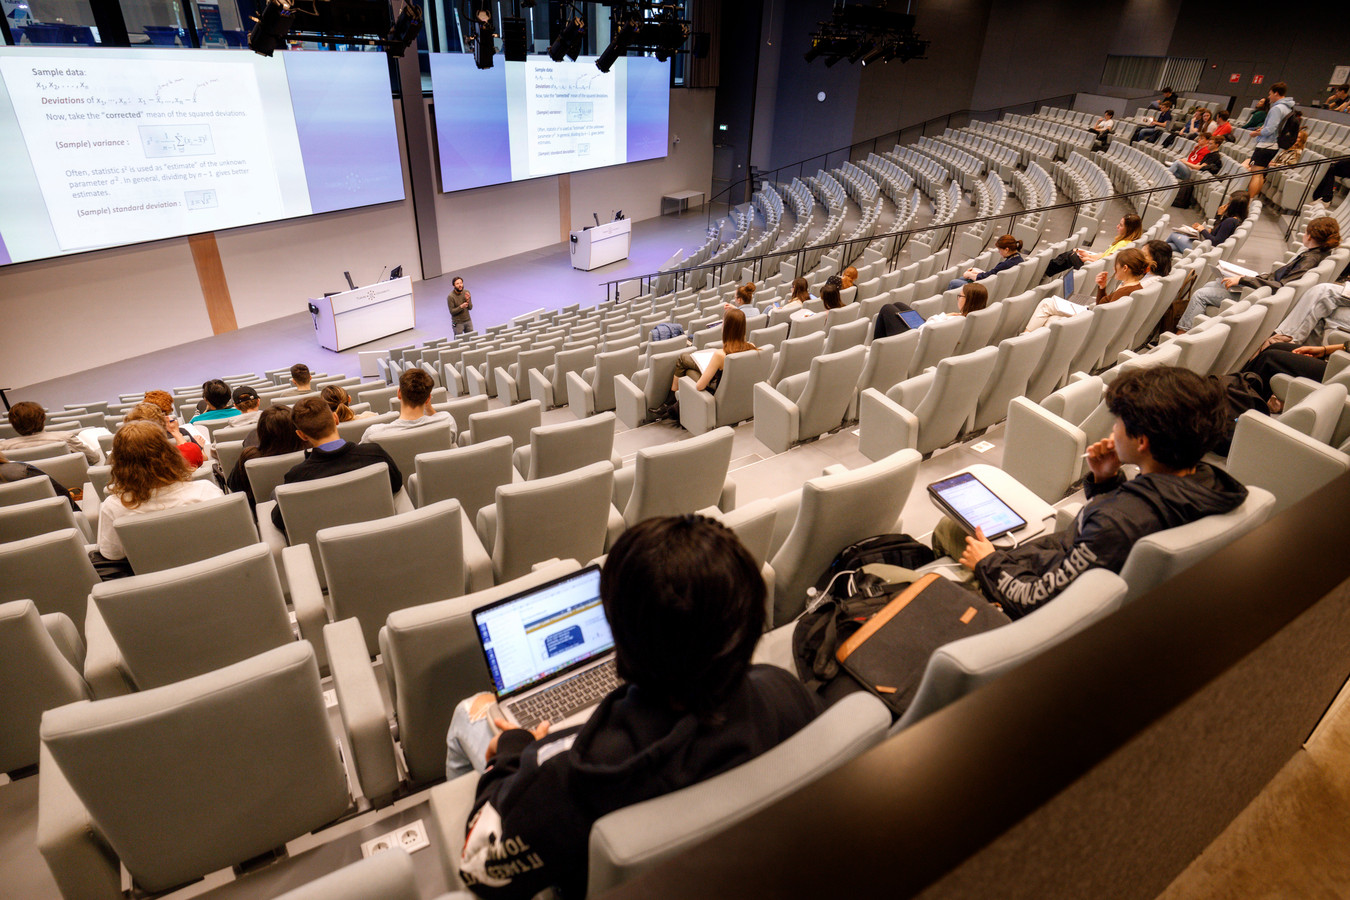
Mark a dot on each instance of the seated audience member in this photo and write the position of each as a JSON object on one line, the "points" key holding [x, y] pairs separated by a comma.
{"points": [[1221, 128], [329, 454], [190, 432], [300, 379], [216, 395], [974, 297], [1258, 116], [18, 471], [246, 401], [830, 296], [276, 437], [1154, 126], [1326, 188], [1201, 159], [1102, 129], [1009, 247], [1226, 221], [415, 410], [1166, 419], [192, 452], [1291, 155], [801, 292], [1128, 230], [686, 605], [889, 320], [733, 341], [1130, 267], [745, 295], [1307, 361], [148, 474], [1323, 236], [340, 402], [1158, 254], [29, 418], [848, 277], [1278, 108], [1291, 349], [1338, 97], [1194, 125], [1168, 96]]}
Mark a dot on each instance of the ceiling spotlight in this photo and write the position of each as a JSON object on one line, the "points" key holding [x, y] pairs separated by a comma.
{"points": [[482, 38], [570, 39], [406, 28], [617, 47], [273, 24], [876, 53]]}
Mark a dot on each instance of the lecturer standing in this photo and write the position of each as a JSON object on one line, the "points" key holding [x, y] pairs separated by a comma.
{"points": [[460, 302]]}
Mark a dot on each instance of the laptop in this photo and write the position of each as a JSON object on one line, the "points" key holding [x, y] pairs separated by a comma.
{"points": [[549, 649]]}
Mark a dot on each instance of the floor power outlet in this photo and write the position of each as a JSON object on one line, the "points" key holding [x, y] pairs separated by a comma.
{"points": [[410, 837]]}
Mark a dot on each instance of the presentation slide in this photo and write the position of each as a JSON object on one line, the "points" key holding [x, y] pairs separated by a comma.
{"points": [[522, 120], [113, 147]]}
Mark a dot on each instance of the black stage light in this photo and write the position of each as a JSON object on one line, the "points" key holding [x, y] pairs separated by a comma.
{"points": [[273, 24], [877, 52], [482, 39], [611, 53], [513, 39], [406, 28], [570, 39]]}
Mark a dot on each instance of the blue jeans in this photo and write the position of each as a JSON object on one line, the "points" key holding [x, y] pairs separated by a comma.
{"points": [[956, 283], [471, 730], [1179, 242], [1181, 170], [1212, 294]]}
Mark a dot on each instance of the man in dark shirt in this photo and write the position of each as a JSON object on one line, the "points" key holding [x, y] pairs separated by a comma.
{"points": [[329, 454], [460, 302]]}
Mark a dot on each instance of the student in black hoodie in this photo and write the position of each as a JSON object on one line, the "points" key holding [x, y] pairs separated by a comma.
{"points": [[1166, 419], [329, 454], [686, 604]]}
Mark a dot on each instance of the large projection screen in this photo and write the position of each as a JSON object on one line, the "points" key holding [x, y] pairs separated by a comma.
{"points": [[520, 120], [108, 147]]}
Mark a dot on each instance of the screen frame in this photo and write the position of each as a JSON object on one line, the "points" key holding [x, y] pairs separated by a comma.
{"points": [[935, 493]]}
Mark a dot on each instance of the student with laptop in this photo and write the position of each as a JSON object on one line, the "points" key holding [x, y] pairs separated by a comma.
{"points": [[685, 602], [1166, 418]]}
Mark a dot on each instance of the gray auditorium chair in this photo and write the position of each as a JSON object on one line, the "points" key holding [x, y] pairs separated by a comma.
{"points": [[630, 841], [979, 330], [936, 342], [847, 334], [266, 472], [807, 325], [156, 629], [185, 534], [1066, 338], [554, 449], [25, 520], [1163, 554], [567, 516], [438, 557], [355, 429], [40, 661], [513, 382], [307, 506], [830, 512], [35, 452], [406, 444], [1017, 358], [733, 402], [1242, 331], [212, 771], [514, 422], [592, 391], [794, 356], [926, 412], [70, 470], [549, 387], [1200, 349], [469, 475], [1315, 414], [647, 389], [677, 478], [805, 406], [432, 660], [888, 363], [1291, 465], [26, 490], [52, 570]]}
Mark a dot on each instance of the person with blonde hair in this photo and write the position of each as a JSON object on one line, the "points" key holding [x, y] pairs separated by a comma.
{"points": [[148, 474], [340, 402], [153, 412]]}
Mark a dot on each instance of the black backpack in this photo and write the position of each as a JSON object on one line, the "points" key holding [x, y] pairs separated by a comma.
{"points": [[1242, 394], [1289, 129], [889, 549]]}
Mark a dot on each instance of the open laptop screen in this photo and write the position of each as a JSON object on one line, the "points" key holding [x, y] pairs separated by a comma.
{"points": [[532, 636]]}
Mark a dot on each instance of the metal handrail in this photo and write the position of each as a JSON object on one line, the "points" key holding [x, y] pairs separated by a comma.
{"points": [[757, 263], [871, 143]]}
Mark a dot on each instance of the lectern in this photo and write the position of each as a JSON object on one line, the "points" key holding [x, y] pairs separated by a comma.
{"points": [[366, 314], [601, 245]]}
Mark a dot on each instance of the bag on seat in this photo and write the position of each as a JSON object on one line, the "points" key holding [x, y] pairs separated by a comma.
{"points": [[881, 636], [664, 331]]}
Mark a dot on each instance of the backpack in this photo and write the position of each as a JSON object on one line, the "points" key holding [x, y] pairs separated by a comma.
{"points": [[885, 549], [1289, 129], [664, 331], [1241, 393]]}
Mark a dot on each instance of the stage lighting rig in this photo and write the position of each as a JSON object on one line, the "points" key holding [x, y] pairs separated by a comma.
{"points": [[482, 38], [571, 39], [866, 34], [644, 25], [369, 22]]}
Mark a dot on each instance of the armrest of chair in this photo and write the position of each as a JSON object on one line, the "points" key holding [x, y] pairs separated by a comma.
{"points": [[66, 637], [520, 461], [698, 409], [630, 402], [81, 862], [614, 527], [727, 501], [1065, 514], [311, 613], [364, 719], [454, 384], [777, 419], [104, 668], [580, 396], [541, 387], [775, 648], [451, 804], [623, 487], [487, 527], [476, 381], [884, 426], [1296, 390], [477, 558], [413, 485], [507, 390], [1340, 360]]}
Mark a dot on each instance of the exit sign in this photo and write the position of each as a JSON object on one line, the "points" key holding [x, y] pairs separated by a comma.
{"points": [[1235, 78], [1257, 79]]}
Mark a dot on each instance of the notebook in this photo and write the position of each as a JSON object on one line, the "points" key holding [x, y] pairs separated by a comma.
{"points": [[1235, 271], [702, 358], [549, 649]]}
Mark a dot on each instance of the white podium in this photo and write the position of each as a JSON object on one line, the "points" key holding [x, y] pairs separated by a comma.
{"points": [[601, 245], [363, 315]]}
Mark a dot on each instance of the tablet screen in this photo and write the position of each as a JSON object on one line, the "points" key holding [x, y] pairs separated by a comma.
{"points": [[911, 318], [978, 506]]}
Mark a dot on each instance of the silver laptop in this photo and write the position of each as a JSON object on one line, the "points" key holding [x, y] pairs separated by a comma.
{"points": [[549, 649]]}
